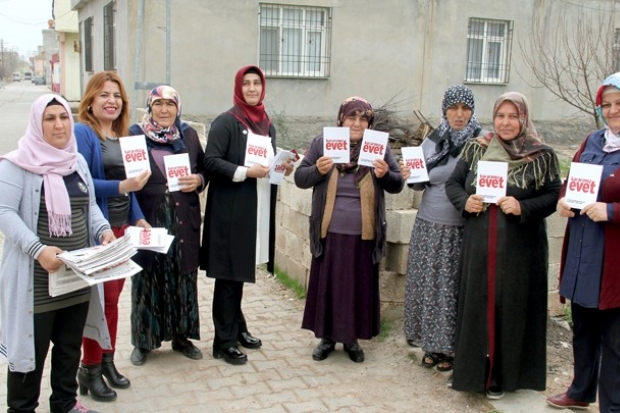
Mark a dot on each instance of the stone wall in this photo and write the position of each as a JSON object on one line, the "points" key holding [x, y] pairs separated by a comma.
{"points": [[293, 252]]}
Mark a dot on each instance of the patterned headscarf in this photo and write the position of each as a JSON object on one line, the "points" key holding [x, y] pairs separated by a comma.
{"points": [[151, 128], [353, 106], [356, 105], [34, 154], [451, 141], [610, 84], [527, 145]]}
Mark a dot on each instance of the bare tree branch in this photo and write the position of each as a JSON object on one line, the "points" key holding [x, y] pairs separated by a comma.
{"points": [[569, 55]]}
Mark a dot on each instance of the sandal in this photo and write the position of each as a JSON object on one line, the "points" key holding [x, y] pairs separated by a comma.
{"points": [[445, 363], [430, 359]]}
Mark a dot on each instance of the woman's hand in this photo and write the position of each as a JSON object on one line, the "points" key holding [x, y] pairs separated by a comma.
{"points": [[48, 259], [474, 204], [597, 211], [134, 184], [563, 209], [289, 165], [107, 237], [190, 183], [509, 205], [257, 171], [405, 170], [324, 164], [381, 167], [143, 223]]}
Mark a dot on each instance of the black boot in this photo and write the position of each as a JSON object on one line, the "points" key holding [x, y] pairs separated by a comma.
{"points": [[91, 379], [108, 369]]}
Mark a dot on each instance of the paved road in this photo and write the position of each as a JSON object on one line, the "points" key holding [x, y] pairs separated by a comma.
{"points": [[15, 101], [279, 377]]}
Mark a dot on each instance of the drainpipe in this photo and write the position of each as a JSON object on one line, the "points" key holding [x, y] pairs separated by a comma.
{"points": [[137, 59], [168, 41]]}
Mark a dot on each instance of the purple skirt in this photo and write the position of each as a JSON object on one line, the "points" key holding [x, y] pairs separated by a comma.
{"points": [[343, 292]]}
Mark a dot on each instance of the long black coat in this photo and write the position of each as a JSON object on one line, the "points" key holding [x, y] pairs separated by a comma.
{"points": [[503, 269], [229, 235], [187, 204]]}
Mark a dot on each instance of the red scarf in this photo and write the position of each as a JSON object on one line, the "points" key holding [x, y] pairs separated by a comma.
{"points": [[253, 117]]}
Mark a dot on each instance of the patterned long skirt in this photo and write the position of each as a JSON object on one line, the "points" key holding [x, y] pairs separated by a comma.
{"points": [[432, 285], [343, 291], [164, 301]]}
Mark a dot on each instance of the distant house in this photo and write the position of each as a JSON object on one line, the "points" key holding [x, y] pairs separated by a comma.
{"points": [[317, 52], [67, 34]]}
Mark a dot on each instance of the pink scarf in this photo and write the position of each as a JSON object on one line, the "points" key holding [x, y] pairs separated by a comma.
{"points": [[34, 154]]}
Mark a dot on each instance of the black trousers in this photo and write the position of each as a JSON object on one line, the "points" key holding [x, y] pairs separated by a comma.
{"points": [[64, 328], [228, 318], [596, 349]]}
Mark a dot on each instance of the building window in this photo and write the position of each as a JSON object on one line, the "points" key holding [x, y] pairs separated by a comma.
{"points": [[108, 37], [489, 44], [88, 44], [295, 41]]}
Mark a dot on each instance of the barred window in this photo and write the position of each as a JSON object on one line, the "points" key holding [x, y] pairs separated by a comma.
{"points": [[616, 51], [489, 45], [108, 37], [295, 41], [88, 44]]}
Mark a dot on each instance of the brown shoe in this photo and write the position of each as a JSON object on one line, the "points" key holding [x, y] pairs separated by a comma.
{"points": [[562, 401]]}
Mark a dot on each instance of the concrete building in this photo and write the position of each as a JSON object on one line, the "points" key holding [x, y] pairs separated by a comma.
{"points": [[317, 52], [67, 34]]}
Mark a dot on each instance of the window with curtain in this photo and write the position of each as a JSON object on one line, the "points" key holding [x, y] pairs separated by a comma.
{"points": [[108, 37], [87, 25], [295, 41], [489, 45]]}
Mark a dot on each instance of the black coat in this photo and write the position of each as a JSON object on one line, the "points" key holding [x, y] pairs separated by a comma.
{"points": [[187, 204], [229, 234], [517, 246]]}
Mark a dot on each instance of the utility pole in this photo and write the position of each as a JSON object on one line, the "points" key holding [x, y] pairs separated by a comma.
{"points": [[2, 58]]}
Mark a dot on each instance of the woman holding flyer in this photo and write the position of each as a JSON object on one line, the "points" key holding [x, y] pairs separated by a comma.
{"points": [[432, 267], [502, 307], [104, 117], [347, 220], [165, 295], [589, 275], [47, 206], [239, 226]]}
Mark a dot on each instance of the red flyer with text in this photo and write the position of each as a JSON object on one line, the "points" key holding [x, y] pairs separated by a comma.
{"points": [[258, 150], [336, 143], [492, 180], [176, 167], [413, 157], [374, 145], [135, 155], [583, 184]]}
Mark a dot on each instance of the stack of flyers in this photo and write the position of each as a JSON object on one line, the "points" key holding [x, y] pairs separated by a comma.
{"points": [[151, 239], [277, 168], [135, 155], [94, 265]]}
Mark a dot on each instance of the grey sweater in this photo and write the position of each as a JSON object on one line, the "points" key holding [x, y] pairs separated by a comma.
{"points": [[20, 198]]}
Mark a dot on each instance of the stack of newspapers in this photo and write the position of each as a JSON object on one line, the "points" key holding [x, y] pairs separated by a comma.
{"points": [[89, 266]]}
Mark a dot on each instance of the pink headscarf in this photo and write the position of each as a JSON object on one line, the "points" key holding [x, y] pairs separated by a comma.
{"points": [[34, 154]]}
